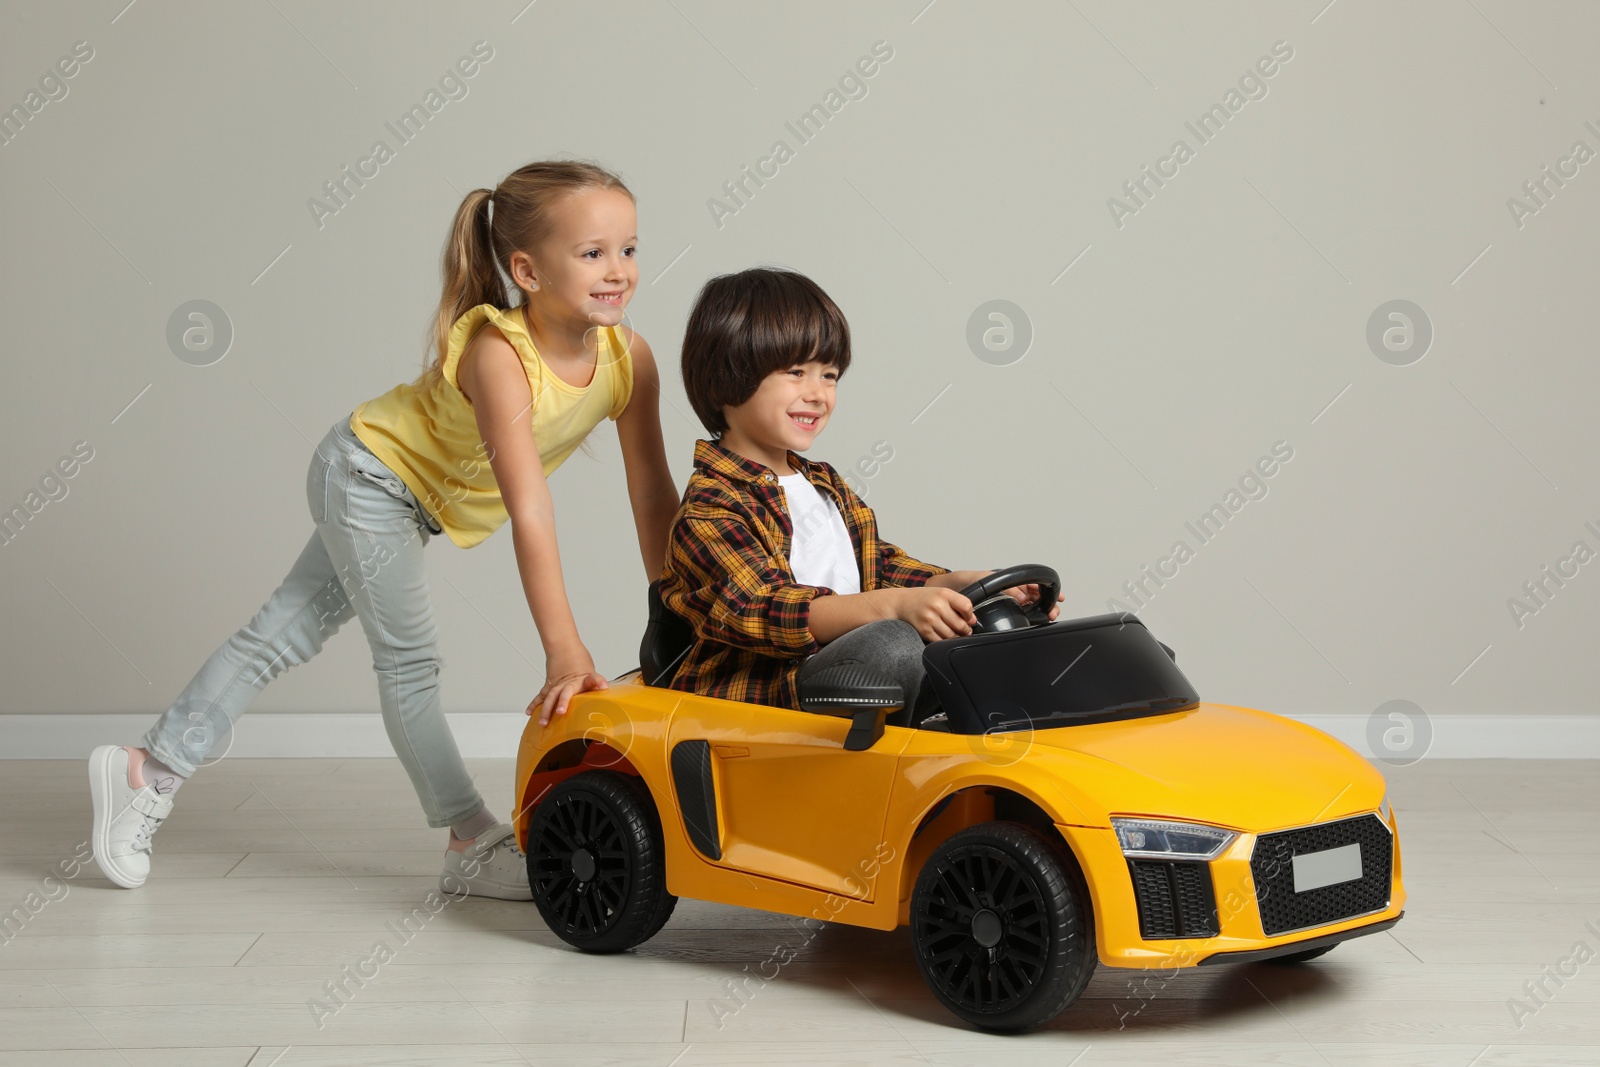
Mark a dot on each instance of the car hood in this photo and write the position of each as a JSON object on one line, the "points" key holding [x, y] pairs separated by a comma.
{"points": [[1236, 767]]}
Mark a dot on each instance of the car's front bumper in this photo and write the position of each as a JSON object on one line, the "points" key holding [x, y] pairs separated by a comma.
{"points": [[1256, 955], [1233, 927]]}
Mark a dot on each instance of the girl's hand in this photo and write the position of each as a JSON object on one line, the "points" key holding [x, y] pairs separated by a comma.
{"points": [[1029, 594], [566, 679]]}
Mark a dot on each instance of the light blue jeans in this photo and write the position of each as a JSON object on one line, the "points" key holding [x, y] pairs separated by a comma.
{"points": [[364, 560]]}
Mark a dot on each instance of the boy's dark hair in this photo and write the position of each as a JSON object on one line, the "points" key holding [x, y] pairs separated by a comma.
{"points": [[744, 326]]}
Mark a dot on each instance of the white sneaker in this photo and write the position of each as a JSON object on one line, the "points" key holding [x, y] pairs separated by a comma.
{"points": [[124, 817], [492, 866]]}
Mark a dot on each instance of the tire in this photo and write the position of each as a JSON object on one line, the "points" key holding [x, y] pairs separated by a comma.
{"points": [[596, 862], [659, 919], [1304, 957], [1001, 932]]}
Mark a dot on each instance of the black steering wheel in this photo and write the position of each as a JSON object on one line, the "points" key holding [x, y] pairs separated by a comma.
{"points": [[997, 611]]}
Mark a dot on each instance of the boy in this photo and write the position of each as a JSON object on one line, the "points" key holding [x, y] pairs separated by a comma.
{"points": [[773, 559]]}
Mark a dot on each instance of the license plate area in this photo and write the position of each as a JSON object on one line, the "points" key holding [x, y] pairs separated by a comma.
{"points": [[1314, 870]]}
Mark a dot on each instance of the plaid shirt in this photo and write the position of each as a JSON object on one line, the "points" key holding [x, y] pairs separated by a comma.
{"points": [[727, 574]]}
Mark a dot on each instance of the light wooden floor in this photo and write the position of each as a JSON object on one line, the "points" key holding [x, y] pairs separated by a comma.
{"points": [[273, 875]]}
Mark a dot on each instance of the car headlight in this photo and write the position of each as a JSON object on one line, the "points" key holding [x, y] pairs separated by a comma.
{"points": [[1158, 840]]}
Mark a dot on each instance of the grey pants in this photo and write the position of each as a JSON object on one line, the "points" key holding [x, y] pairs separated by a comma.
{"points": [[364, 560], [890, 646]]}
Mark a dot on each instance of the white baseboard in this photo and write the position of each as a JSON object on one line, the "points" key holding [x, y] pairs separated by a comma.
{"points": [[267, 735], [1482, 736], [357, 735]]}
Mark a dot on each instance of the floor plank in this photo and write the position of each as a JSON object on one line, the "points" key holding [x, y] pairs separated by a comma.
{"points": [[273, 877]]}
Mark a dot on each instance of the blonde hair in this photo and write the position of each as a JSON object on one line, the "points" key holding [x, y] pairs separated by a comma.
{"points": [[479, 247]]}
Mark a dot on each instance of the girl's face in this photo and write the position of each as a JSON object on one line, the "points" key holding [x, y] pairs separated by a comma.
{"points": [[586, 267], [786, 413]]}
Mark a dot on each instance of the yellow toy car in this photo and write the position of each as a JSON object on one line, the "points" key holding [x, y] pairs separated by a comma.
{"points": [[1071, 801]]}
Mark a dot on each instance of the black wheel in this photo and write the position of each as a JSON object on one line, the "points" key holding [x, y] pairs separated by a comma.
{"points": [[596, 862], [1001, 934], [1304, 957]]}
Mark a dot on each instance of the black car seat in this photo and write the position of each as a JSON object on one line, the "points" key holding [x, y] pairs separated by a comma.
{"points": [[667, 639]]}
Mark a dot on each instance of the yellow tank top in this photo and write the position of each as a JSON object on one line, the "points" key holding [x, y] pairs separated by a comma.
{"points": [[428, 434]]}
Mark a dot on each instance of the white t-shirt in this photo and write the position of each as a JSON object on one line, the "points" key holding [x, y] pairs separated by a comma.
{"points": [[820, 550]]}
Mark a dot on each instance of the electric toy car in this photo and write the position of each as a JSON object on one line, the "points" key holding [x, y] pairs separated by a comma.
{"points": [[1070, 801]]}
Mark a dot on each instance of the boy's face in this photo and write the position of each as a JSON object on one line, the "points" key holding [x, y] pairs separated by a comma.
{"points": [[788, 410]]}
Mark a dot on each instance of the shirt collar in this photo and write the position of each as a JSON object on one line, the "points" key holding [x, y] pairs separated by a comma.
{"points": [[712, 457]]}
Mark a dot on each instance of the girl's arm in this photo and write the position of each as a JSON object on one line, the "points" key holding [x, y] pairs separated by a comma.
{"points": [[655, 499], [493, 379]]}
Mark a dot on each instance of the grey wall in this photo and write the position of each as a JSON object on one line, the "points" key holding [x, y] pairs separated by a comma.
{"points": [[1224, 315]]}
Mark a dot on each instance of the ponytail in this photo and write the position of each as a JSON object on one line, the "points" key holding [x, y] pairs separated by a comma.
{"points": [[479, 247]]}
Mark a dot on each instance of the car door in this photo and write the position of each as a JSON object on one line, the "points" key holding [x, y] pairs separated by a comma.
{"points": [[773, 792]]}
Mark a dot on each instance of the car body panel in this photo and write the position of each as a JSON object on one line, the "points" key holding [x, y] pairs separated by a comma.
{"points": [[809, 829], [794, 805], [1185, 764]]}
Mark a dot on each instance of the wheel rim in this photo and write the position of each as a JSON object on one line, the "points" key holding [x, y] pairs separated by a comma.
{"points": [[983, 931], [580, 869]]}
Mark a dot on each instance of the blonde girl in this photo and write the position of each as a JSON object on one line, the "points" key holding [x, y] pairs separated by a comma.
{"points": [[510, 393]]}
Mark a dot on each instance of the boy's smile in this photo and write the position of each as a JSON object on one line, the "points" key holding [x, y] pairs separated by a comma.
{"points": [[784, 415]]}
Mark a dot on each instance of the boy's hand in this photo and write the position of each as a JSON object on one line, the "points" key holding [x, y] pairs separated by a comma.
{"points": [[936, 612], [567, 677], [1029, 594]]}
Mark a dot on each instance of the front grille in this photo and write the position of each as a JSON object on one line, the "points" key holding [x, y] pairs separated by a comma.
{"points": [[1272, 867], [1175, 899]]}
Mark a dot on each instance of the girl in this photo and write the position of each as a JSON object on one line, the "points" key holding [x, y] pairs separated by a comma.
{"points": [[510, 393]]}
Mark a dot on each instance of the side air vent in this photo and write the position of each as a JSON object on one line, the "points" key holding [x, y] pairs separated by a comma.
{"points": [[697, 795]]}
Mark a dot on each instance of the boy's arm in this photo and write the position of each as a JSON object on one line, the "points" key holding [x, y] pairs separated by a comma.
{"points": [[731, 592], [908, 589], [1022, 594], [936, 613], [958, 579], [897, 567]]}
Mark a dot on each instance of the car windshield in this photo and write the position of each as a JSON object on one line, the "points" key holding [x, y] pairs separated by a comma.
{"points": [[1065, 674]]}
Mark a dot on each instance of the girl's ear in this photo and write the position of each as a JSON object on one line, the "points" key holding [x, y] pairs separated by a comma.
{"points": [[522, 274]]}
